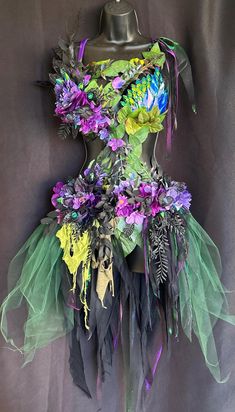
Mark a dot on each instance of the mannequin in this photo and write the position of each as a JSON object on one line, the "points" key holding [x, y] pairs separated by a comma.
{"points": [[119, 38]]}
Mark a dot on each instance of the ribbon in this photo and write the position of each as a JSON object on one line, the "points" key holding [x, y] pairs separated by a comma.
{"points": [[181, 66], [82, 49]]}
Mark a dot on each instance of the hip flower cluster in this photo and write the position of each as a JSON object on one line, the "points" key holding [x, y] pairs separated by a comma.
{"points": [[89, 196], [80, 200], [149, 199]]}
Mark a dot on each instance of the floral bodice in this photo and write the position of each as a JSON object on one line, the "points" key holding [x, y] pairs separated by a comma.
{"points": [[119, 102]]}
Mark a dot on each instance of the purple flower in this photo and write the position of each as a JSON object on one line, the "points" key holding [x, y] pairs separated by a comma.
{"points": [[89, 197], [87, 171], [178, 196], [54, 199], [184, 200], [103, 134], [86, 79], [57, 188], [69, 98], [96, 121], [124, 184], [123, 208], [135, 218], [116, 144], [155, 207], [76, 203], [173, 192], [118, 82], [148, 190]]}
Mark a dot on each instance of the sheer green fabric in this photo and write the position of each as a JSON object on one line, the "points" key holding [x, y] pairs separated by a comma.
{"points": [[35, 276], [203, 298], [36, 271]]}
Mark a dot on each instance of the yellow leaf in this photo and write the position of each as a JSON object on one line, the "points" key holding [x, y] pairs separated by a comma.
{"points": [[131, 126]]}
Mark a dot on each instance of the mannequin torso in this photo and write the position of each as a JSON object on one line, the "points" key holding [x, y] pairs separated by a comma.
{"points": [[119, 38]]}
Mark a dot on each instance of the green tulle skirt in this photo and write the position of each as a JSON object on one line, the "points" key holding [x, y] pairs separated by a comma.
{"points": [[203, 298], [34, 278], [36, 275]]}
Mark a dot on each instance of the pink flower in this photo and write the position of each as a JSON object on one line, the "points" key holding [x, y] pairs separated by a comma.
{"points": [[60, 216], [135, 218], [115, 144], [155, 208], [123, 208], [76, 203], [57, 188], [122, 201], [86, 79], [54, 199], [118, 82], [148, 190]]}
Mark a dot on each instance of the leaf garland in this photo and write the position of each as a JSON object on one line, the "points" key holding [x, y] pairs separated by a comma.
{"points": [[119, 66], [159, 242]]}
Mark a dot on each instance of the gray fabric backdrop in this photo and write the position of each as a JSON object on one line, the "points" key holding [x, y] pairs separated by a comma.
{"points": [[33, 159]]}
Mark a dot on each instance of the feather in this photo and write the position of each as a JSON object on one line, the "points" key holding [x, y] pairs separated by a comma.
{"points": [[149, 92], [76, 362]]}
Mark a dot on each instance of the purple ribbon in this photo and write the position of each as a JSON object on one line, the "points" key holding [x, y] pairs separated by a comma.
{"points": [[172, 106], [149, 382], [82, 49]]}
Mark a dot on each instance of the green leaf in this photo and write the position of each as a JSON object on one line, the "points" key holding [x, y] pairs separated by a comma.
{"points": [[46, 221], [132, 126], [123, 113], [121, 224], [101, 62], [128, 243], [159, 61], [113, 102], [108, 88], [119, 66], [155, 126], [92, 85], [155, 55], [134, 164], [140, 136], [52, 214], [143, 117], [118, 132]]}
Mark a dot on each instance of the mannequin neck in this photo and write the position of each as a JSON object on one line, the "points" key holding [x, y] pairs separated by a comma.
{"points": [[119, 22]]}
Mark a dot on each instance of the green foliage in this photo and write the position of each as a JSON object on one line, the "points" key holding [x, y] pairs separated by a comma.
{"points": [[123, 114], [111, 97], [139, 137], [119, 66], [128, 242], [143, 118], [113, 102], [64, 130], [91, 85], [160, 244], [155, 55], [135, 164], [117, 132]]}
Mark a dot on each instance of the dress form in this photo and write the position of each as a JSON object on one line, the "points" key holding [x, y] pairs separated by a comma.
{"points": [[119, 38]]}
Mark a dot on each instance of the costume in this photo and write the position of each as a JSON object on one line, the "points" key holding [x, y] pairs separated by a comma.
{"points": [[72, 271]]}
